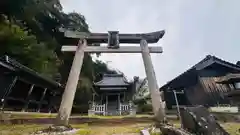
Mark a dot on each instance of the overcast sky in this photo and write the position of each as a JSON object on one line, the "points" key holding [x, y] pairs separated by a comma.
{"points": [[194, 29]]}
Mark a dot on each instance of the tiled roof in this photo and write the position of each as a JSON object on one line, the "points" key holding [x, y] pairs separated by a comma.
{"points": [[113, 80]]}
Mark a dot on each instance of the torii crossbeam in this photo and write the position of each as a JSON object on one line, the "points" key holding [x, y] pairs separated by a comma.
{"points": [[113, 38], [104, 49]]}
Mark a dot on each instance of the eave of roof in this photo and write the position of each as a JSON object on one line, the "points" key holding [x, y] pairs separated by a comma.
{"points": [[15, 66], [207, 61], [112, 80]]}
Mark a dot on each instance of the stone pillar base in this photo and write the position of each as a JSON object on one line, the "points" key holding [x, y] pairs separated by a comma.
{"points": [[133, 112], [91, 113]]}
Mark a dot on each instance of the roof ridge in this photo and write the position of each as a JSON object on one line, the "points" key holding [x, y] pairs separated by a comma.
{"points": [[208, 57], [221, 60]]}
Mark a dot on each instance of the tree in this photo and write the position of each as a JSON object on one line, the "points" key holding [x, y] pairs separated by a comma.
{"points": [[24, 46], [29, 32], [141, 96]]}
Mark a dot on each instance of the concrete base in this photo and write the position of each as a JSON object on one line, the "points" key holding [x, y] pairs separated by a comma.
{"points": [[133, 112], [91, 113]]}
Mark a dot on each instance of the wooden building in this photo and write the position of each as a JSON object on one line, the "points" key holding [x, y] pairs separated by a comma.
{"points": [[233, 80], [200, 85], [113, 95], [22, 89]]}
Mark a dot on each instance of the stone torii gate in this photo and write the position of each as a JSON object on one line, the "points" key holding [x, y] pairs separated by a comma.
{"points": [[113, 38]]}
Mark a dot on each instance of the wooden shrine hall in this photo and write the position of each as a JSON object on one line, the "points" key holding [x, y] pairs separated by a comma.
{"points": [[113, 95], [210, 83], [22, 89]]}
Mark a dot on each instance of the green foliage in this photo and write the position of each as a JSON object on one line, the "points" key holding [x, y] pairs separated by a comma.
{"points": [[100, 68], [22, 45], [142, 97], [29, 32], [143, 108]]}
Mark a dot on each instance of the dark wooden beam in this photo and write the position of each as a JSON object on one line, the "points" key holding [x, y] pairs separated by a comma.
{"points": [[3, 101], [52, 103], [27, 99], [50, 108], [41, 100]]}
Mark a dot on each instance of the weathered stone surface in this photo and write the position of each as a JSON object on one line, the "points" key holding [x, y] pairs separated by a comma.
{"points": [[57, 130], [171, 130], [199, 120], [71, 132]]}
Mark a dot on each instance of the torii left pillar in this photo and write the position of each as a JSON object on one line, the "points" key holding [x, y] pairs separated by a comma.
{"points": [[71, 86]]}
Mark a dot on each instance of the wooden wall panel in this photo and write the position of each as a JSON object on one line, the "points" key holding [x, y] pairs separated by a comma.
{"points": [[215, 91], [196, 94]]}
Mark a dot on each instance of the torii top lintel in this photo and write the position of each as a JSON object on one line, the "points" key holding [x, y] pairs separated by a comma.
{"points": [[97, 38]]}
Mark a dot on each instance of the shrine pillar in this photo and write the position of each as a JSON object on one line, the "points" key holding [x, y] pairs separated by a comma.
{"points": [[71, 86], [157, 104]]}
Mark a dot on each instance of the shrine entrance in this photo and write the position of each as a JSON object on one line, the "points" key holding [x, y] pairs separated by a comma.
{"points": [[115, 93], [113, 39], [113, 102]]}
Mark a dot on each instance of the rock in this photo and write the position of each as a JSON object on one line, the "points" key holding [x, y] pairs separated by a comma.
{"points": [[198, 120], [57, 130], [145, 132], [171, 130]]}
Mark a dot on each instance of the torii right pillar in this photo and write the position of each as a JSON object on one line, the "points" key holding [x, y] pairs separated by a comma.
{"points": [[157, 103]]}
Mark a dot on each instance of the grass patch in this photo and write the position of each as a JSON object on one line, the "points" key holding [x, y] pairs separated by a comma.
{"points": [[101, 129], [104, 127], [232, 128], [23, 115], [85, 129], [110, 129], [19, 129]]}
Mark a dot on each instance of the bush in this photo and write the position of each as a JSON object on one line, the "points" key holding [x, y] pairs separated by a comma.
{"points": [[80, 109], [144, 108]]}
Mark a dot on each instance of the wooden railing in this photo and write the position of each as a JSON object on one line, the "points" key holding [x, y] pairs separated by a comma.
{"points": [[99, 108], [124, 107], [127, 107], [102, 109]]}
